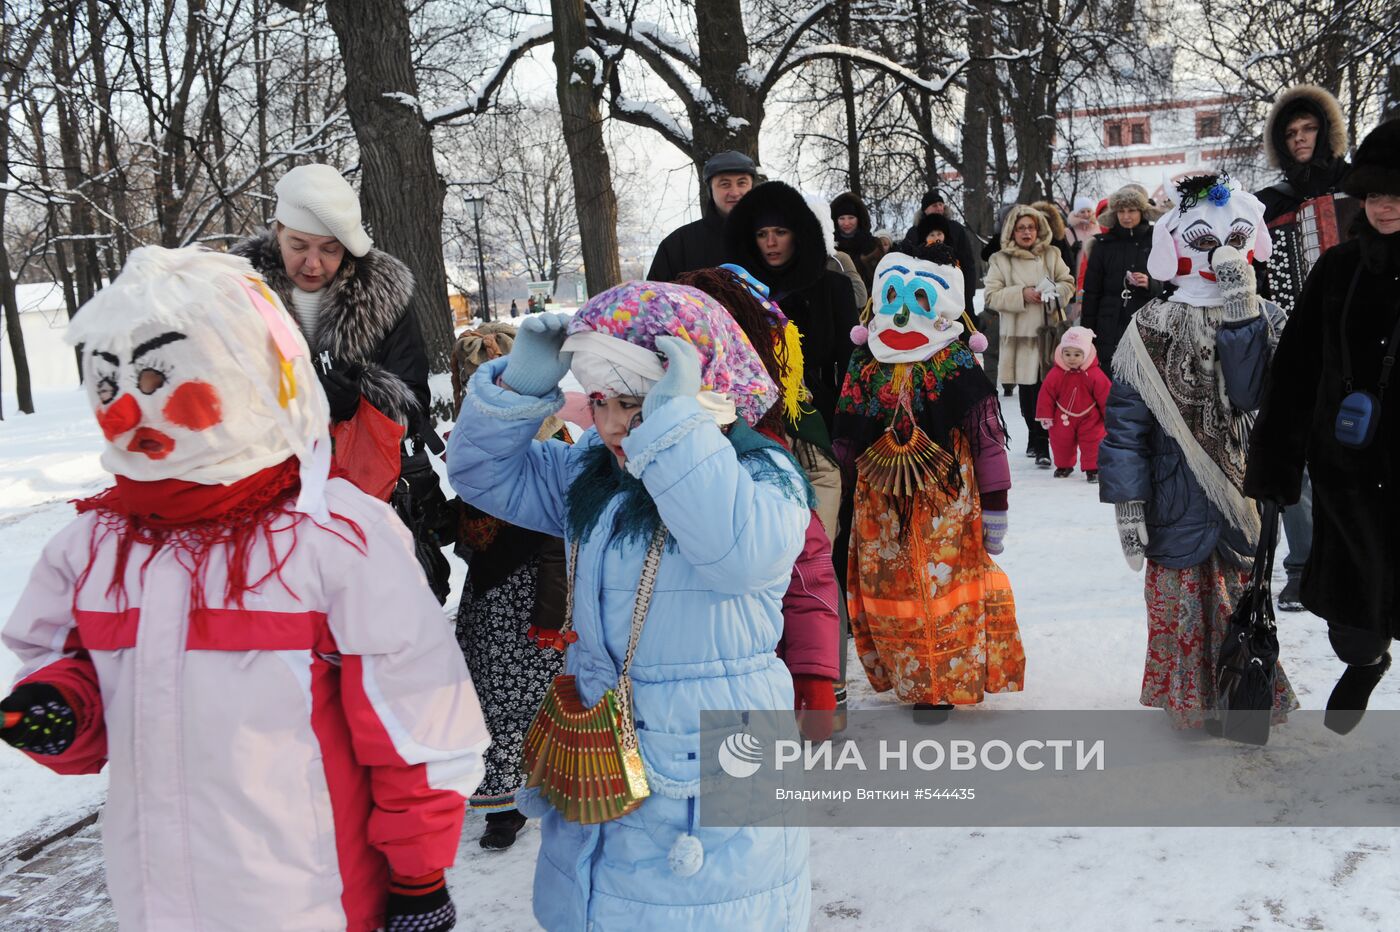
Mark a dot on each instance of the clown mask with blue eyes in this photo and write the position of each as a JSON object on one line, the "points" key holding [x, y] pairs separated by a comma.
{"points": [[1211, 212], [917, 306]]}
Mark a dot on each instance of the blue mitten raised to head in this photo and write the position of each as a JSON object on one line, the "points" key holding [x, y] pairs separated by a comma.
{"points": [[536, 362], [682, 378]]}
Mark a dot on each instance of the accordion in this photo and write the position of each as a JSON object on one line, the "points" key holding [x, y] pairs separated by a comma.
{"points": [[1300, 238]]}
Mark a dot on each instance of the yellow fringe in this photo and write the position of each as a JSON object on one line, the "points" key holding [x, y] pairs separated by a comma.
{"points": [[789, 347], [286, 384]]}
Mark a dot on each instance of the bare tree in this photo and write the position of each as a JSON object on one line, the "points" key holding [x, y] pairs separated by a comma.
{"points": [[20, 42], [1350, 47], [579, 77]]}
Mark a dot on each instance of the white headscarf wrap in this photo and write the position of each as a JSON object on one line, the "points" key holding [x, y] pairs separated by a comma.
{"points": [[608, 366]]}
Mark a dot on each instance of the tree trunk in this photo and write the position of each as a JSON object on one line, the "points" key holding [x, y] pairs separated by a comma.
{"points": [[978, 107], [724, 61], [1392, 92], [594, 199], [115, 181], [400, 188], [848, 97], [23, 394], [85, 268]]}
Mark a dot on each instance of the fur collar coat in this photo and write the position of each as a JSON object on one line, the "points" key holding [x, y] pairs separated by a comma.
{"points": [[365, 326]]}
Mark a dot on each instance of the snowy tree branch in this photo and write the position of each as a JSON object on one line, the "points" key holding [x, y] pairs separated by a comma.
{"points": [[480, 102]]}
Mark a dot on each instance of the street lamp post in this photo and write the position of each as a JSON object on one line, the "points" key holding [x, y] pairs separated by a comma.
{"points": [[475, 206]]}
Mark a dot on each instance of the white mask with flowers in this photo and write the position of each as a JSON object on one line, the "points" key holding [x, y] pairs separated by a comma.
{"points": [[917, 307], [195, 372], [1212, 211]]}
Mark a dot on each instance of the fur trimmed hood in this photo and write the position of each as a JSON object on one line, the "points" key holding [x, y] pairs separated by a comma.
{"points": [[1055, 218], [366, 300], [1042, 240], [1310, 99], [813, 238]]}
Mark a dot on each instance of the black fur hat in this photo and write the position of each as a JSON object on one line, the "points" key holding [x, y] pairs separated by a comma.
{"points": [[1376, 167]]}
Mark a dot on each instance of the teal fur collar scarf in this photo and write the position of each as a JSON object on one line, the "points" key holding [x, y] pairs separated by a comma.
{"points": [[602, 479]]}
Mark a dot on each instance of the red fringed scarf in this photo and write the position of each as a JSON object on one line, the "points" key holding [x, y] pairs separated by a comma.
{"points": [[193, 519]]}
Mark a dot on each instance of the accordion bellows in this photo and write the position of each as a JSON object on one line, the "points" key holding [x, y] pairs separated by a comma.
{"points": [[902, 469], [585, 761]]}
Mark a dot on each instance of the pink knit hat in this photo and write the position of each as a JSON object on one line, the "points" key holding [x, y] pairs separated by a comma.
{"points": [[1081, 338]]}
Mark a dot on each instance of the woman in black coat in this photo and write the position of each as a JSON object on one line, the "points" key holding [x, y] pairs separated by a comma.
{"points": [[1351, 299], [776, 236], [1115, 280]]}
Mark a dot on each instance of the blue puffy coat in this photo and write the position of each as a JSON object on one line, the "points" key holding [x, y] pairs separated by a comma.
{"points": [[708, 643], [1139, 462]]}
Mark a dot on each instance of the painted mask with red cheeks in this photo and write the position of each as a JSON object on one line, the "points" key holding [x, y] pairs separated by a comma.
{"points": [[1211, 212], [182, 371], [155, 410]]}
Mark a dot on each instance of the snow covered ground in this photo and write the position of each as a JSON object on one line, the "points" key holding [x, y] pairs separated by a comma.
{"points": [[1081, 617]]}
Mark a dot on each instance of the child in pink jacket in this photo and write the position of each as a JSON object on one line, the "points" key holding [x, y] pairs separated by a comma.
{"points": [[1071, 404]]}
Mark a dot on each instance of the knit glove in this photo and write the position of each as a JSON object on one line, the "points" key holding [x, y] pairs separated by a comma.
{"points": [[1132, 533], [536, 361], [342, 390], [682, 378], [38, 719], [1235, 276], [814, 699], [994, 524], [419, 904]]}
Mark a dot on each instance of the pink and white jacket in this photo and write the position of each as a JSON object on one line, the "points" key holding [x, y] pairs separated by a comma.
{"points": [[272, 762]]}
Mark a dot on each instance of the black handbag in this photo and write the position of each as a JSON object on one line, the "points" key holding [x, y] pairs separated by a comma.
{"points": [[418, 501], [1247, 668]]}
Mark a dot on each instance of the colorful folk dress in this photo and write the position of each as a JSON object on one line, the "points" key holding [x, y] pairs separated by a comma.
{"points": [[932, 614]]}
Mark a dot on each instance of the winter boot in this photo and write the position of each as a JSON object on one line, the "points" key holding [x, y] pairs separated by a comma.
{"points": [[926, 713], [1063, 473], [1042, 461], [1091, 475], [1349, 697], [501, 829], [1030, 449], [1290, 599]]}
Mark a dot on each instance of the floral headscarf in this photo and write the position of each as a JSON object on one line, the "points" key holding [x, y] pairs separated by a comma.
{"points": [[639, 312]]}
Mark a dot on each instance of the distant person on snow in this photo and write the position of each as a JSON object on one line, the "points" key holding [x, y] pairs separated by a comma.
{"points": [[1071, 404]]}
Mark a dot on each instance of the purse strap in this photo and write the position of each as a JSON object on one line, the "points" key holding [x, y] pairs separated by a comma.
{"points": [[1261, 579], [646, 587]]}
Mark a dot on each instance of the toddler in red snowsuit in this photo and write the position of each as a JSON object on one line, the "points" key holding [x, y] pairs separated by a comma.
{"points": [[1071, 404]]}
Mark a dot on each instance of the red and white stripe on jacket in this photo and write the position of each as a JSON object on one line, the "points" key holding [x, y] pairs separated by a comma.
{"points": [[271, 762]]}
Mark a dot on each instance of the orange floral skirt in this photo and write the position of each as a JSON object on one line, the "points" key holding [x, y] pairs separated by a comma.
{"points": [[932, 614]]}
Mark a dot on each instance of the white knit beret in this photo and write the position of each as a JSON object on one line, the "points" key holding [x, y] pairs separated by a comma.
{"points": [[315, 199]]}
